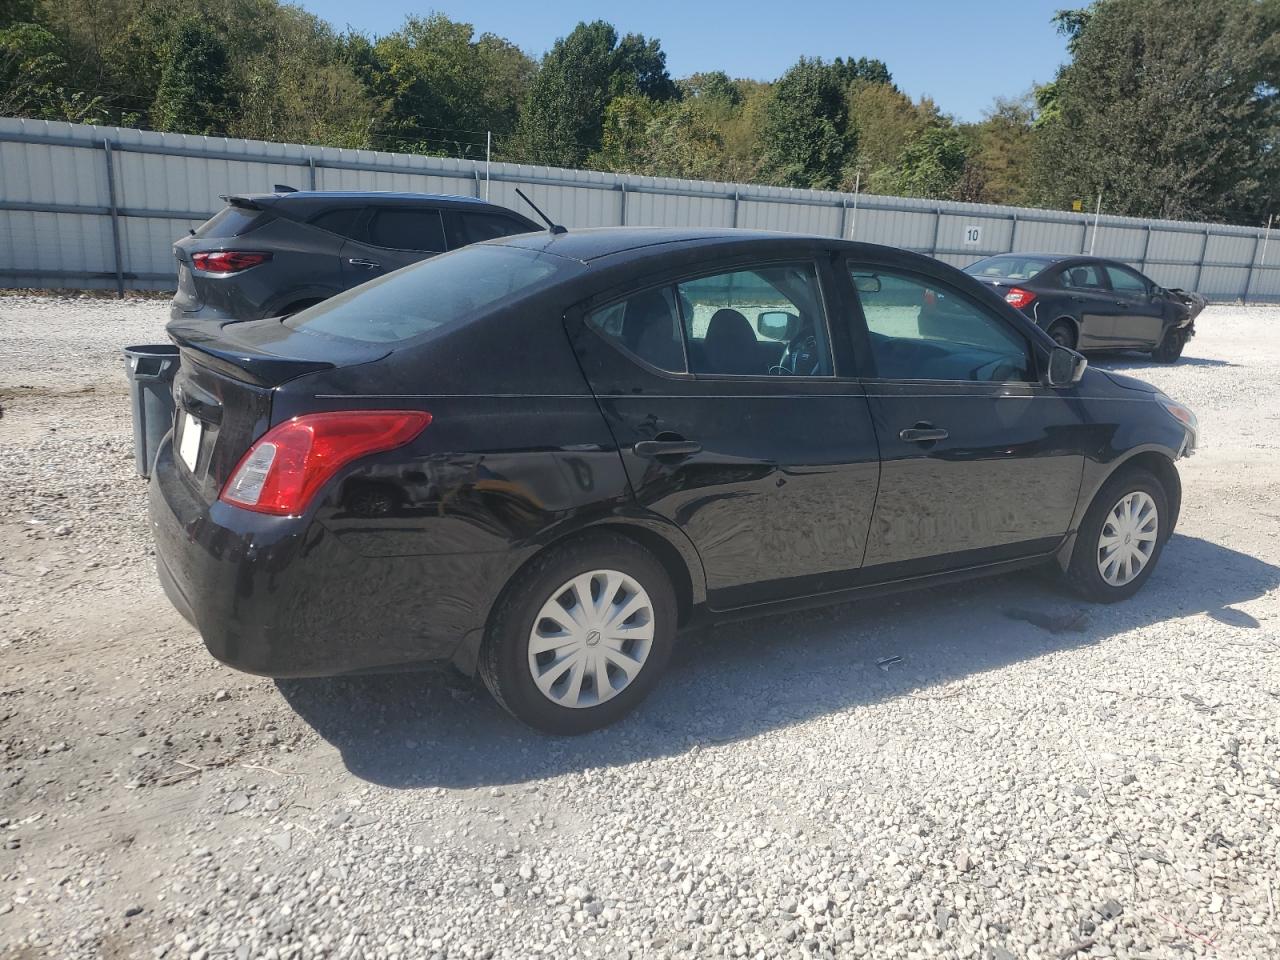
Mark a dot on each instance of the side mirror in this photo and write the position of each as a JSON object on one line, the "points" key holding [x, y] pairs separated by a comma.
{"points": [[866, 282], [778, 325], [1065, 367]]}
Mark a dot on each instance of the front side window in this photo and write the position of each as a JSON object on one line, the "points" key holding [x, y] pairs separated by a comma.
{"points": [[468, 228], [1126, 281], [1088, 277], [921, 330], [760, 322], [407, 229]]}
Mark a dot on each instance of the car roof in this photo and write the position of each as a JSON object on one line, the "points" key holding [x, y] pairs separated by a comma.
{"points": [[394, 196], [594, 243]]}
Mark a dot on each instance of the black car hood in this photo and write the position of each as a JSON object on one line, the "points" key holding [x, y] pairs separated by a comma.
{"points": [[1129, 383]]}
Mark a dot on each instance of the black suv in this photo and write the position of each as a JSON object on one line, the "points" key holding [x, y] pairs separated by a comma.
{"points": [[273, 254]]}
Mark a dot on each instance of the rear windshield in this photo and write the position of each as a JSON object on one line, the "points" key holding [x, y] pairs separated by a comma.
{"points": [[228, 222], [1008, 268], [428, 295]]}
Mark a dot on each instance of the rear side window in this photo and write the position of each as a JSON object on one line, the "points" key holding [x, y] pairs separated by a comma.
{"points": [[647, 326], [439, 292], [407, 229], [343, 221], [1087, 277], [230, 221], [468, 228]]}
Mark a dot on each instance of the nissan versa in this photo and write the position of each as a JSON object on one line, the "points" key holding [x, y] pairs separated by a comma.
{"points": [[538, 457]]}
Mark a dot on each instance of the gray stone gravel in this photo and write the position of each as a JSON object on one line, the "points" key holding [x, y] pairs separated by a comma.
{"points": [[1032, 778]]}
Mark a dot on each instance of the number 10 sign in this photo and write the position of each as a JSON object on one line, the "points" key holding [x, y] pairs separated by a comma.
{"points": [[972, 236]]}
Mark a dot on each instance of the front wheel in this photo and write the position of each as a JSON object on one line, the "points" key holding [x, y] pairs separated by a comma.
{"points": [[1170, 348], [1064, 335], [581, 636], [1120, 541]]}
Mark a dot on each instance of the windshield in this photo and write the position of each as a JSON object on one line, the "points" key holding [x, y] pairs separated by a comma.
{"points": [[1008, 268], [426, 296]]}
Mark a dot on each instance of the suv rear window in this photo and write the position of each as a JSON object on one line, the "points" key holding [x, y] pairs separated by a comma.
{"points": [[230, 221], [439, 292], [1008, 268], [407, 229]]}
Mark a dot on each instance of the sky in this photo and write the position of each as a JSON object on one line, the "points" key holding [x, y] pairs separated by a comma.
{"points": [[963, 54]]}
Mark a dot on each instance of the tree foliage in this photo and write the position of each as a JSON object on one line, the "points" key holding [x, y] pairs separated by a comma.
{"points": [[1165, 111]]}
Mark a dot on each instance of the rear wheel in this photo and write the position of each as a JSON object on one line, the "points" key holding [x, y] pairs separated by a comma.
{"points": [[1063, 333], [1120, 541], [581, 636], [1170, 348]]}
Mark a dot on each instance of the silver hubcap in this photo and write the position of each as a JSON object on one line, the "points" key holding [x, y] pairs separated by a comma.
{"points": [[1128, 538], [591, 639]]}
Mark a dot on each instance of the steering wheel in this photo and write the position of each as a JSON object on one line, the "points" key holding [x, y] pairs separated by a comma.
{"points": [[800, 358]]}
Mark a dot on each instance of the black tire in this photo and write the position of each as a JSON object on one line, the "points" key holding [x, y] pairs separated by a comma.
{"points": [[1083, 574], [1063, 333], [1170, 348], [504, 658]]}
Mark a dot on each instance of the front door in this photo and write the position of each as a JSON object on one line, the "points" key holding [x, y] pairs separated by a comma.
{"points": [[720, 389], [1139, 319], [978, 459]]}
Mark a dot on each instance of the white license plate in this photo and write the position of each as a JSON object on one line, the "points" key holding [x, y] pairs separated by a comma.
{"points": [[189, 442]]}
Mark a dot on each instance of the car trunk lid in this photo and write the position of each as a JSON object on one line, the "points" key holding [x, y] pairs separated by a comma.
{"points": [[225, 386]]}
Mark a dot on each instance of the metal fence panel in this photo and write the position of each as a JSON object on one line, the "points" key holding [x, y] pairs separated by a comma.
{"points": [[65, 222]]}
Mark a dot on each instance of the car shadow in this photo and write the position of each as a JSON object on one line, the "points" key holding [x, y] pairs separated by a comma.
{"points": [[740, 680], [1127, 360]]}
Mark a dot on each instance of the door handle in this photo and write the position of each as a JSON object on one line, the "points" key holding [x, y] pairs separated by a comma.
{"points": [[923, 433], [1078, 299], [667, 448], [364, 264], [1122, 303]]}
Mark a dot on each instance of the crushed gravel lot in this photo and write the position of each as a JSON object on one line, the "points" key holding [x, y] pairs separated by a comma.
{"points": [[1033, 778]]}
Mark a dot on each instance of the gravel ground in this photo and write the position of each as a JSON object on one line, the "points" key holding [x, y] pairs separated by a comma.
{"points": [[1032, 778]]}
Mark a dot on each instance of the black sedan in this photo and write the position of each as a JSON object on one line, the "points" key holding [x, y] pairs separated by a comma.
{"points": [[539, 457], [1088, 303]]}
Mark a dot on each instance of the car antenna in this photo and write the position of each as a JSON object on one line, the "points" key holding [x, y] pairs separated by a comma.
{"points": [[553, 228]]}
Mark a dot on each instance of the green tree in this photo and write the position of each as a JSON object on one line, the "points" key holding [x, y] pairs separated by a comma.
{"points": [[886, 120], [563, 117], [934, 165], [33, 78], [806, 138], [1165, 112], [1003, 146], [659, 139], [196, 93]]}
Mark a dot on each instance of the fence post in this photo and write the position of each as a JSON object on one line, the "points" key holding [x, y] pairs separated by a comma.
{"points": [[311, 163], [623, 186], [1204, 248], [937, 225], [1146, 247], [475, 185], [735, 209], [1084, 235], [1013, 235], [1248, 279], [844, 218], [115, 220]]}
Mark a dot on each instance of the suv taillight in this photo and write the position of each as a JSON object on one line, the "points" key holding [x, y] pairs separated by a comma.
{"points": [[285, 468], [1018, 297], [228, 261]]}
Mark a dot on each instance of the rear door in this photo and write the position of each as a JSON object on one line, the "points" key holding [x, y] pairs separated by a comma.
{"points": [[397, 236], [1139, 318], [754, 447], [1092, 303], [979, 461]]}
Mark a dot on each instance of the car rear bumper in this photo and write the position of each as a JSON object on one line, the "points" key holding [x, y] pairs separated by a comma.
{"points": [[281, 597]]}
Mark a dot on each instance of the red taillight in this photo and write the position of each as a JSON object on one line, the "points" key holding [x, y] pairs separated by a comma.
{"points": [[1019, 297], [284, 469], [228, 261]]}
